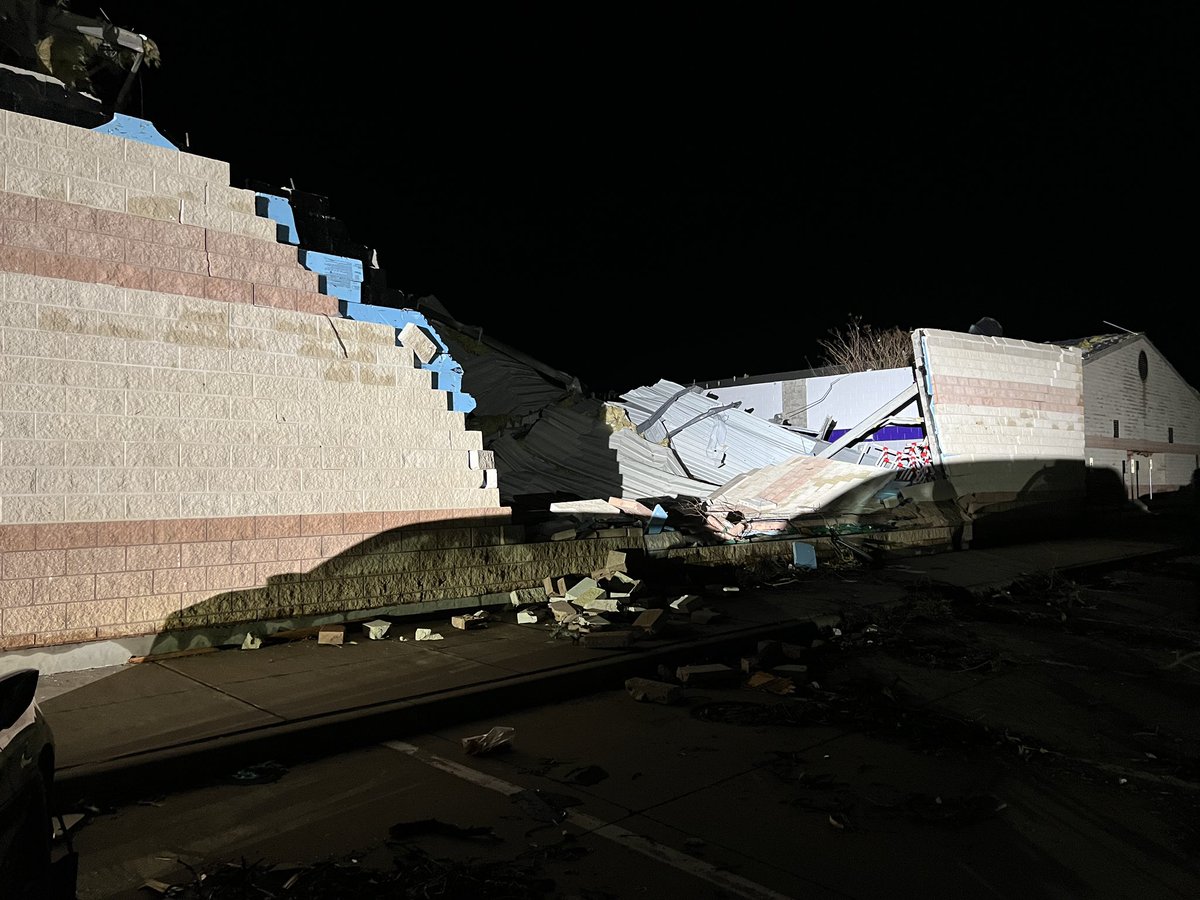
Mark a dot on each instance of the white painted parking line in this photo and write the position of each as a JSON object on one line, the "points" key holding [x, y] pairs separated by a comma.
{"points": [[630, 840]]}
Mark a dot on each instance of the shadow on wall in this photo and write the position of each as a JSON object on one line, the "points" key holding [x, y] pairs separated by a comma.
{"points": [[1004, 501], [442, 565], [412, 564]]}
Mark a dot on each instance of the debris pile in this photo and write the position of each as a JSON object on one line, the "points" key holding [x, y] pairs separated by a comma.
{"points": [[610, 608]]}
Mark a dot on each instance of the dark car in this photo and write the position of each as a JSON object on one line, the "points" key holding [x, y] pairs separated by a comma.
{"points": [[26, 781]]}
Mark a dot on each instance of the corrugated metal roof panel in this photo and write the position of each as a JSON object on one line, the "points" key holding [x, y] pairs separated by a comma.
{"points": [[501, 386], [713, 445], [574, 450]]}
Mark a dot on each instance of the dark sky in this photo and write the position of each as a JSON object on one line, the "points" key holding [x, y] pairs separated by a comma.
{"points": [[631, 195]]}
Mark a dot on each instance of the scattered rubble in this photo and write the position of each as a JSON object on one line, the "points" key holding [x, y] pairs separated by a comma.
{"points": [[478, 619], [376, 629], [332, 634], [498, 738], [646, 690]]}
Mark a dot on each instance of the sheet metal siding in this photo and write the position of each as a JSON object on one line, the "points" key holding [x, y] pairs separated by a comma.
{"points": [[848, 398], [717, 448]]}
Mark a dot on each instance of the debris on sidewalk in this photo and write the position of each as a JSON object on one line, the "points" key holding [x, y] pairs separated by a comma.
{"points": [[172, 654], [646, 690], [426, 634], [686, 603], [376, 629], [497, 738], [332, 634], [704, 616], [478, 619], [650, 622], [527, 617], [251, 641]]}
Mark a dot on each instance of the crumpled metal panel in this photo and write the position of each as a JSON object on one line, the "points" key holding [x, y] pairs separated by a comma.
{"points": [[500, 385], [713, 447], [573, 450]]}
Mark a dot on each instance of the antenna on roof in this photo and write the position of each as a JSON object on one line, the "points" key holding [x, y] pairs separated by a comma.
{"points": [[1115, 325]]}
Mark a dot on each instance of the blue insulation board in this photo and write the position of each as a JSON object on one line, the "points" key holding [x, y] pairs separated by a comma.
{"points": [[280, 210], [447, 374], [134, 129], [341, 277]]}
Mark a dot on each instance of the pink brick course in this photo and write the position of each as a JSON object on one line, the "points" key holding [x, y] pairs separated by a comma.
{"points": [[64, 583], [74, 242]]}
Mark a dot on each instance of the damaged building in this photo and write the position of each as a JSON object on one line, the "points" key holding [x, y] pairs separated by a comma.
{"points": [[216, 411]]}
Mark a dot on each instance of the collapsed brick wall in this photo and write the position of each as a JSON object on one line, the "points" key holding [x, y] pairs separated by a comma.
{"points": [[177, 399]]}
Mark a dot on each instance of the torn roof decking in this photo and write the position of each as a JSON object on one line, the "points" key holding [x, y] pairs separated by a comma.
{"points": [[714, 445]]}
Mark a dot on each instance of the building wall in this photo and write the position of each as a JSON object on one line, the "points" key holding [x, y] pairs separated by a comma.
{"points": [[182, 412], [765, 398], [1159, 418], [851, 397], [1008, 416]]}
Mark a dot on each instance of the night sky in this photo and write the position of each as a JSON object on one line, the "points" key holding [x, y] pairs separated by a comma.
{"points": [[631, 195]]}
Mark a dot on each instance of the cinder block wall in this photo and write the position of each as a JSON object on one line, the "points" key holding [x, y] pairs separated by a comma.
{"points": [[1007, 415], [182, 414], [1159, 416]]}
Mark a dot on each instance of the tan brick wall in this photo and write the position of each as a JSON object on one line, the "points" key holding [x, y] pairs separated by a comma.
{"points": [[1008, 415], [189, 433], [83, 581]]}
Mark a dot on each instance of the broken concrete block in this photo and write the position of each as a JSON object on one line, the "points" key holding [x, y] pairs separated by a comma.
{"points": [[608, 640], [603, 604], [703, 616], [427, 634], [415, 339], [651, 621], [251, 641], [563, 610], [474, 620], [376, 629], [686, 603], [714, 674], [331, 634], [584, 589], [645, 690], [526, 617], [632, 507], [592, 507], [548, 585], [566, 534], [521, 596], [749, 664]]}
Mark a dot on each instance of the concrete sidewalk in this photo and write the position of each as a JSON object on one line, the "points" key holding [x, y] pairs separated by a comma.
{"points": [[160, 724]]}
